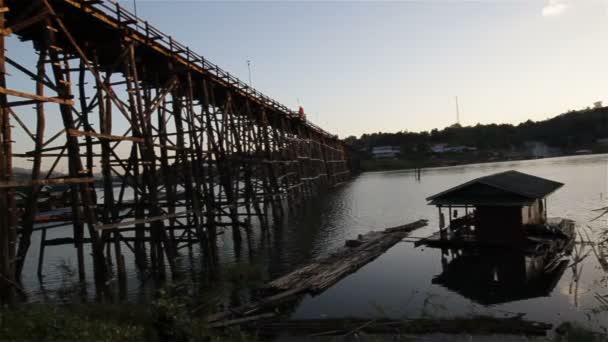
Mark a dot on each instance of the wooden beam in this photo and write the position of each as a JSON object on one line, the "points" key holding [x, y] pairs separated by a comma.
{"points": [[52, 181], [36, 97], [26, 23], [78, 133]]}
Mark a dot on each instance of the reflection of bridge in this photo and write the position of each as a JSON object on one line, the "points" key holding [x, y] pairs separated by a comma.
{"points": [[197, 148]]}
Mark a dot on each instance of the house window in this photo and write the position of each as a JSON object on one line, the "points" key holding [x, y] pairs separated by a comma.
{"points": [[529, 211]]}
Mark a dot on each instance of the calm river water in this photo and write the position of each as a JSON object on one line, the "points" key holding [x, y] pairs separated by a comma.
{"points": [[400, 282]]}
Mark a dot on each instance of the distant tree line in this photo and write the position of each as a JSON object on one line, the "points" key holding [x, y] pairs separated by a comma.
{"points": [[570, 131]]}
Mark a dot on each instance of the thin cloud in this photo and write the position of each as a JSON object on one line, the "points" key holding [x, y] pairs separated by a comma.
{"points": [[554, 8]]}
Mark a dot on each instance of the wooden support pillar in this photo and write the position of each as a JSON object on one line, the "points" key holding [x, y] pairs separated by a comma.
{"points": [[31, 207], [7, 195]]}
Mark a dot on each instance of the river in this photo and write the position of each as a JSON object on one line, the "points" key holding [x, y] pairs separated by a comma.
{"points": [[400, 282]]}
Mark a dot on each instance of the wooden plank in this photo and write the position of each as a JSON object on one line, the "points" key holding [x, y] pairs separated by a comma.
{"points": [[78, 133], [26, 23], [22, 103], [36, 97], [51, 181]]}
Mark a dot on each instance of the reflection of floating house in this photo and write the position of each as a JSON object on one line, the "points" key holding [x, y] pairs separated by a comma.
{"points": [[498, 209], [495, 278]]}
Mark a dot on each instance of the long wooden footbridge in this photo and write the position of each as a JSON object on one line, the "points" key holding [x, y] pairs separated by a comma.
{"points": [[160, 147]]}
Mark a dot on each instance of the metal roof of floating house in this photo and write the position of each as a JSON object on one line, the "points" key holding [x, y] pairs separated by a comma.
{"points": [[509, 188]]}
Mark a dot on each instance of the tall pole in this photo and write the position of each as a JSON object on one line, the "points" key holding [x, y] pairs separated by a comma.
{"points": [[135, 7], [249, 69], [457, 111]]}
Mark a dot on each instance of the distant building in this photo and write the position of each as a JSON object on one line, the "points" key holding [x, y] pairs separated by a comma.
{"points": [[439, 148], [539, 149], [597, 105], [602, 141], [385, 151], [444, 148], [460, 149]]}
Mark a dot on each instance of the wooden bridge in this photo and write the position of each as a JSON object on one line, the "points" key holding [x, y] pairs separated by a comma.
{"points": [[162, 147]]}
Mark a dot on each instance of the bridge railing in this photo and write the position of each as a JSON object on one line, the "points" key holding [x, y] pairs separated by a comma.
{"points": [[123, 16]]}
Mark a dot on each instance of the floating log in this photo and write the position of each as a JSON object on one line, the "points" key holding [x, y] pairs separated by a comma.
{"points": [[474, 325], [264, 303], [237, 321], [321, 274]]}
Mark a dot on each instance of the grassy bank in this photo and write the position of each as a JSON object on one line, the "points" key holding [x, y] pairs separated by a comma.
{"points": [[173, 314], [160, 321], [166, 320]]}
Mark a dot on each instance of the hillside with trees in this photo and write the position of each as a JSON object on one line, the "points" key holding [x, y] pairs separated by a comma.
{"points": [[574, 132]]}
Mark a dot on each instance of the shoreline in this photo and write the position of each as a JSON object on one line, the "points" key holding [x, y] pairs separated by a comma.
{"points": [[436, 167]]}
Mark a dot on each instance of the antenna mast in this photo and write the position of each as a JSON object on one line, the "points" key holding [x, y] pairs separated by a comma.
{"points": [[457, 111], [249, 70]]}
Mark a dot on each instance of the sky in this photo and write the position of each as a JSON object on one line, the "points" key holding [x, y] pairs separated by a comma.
{"points": [[386, 66], [367, 66]]}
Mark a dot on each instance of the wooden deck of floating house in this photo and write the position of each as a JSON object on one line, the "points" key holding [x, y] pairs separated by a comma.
{"points": [[562, 238]]}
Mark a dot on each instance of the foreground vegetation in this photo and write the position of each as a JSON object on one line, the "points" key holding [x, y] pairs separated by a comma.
{"points": [[161, 321], [164, 320]]}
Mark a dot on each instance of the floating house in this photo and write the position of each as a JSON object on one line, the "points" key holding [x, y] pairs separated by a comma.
{"points": [[494, 209]]}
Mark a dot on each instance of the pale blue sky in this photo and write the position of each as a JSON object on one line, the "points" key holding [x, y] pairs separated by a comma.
{"points": [[363, 67], [387, 66]]}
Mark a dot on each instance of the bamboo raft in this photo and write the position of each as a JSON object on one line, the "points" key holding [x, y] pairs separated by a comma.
{"points": [[317, 276], [322, 274]]}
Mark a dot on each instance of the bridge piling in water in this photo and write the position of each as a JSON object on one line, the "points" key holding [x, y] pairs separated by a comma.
{"points": [[162, 147]]}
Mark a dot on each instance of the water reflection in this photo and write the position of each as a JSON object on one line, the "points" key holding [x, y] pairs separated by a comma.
{"points": [[499, 276]]}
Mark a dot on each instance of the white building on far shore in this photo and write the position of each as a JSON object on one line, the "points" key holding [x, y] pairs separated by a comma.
{"points": [[386, 151]]}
